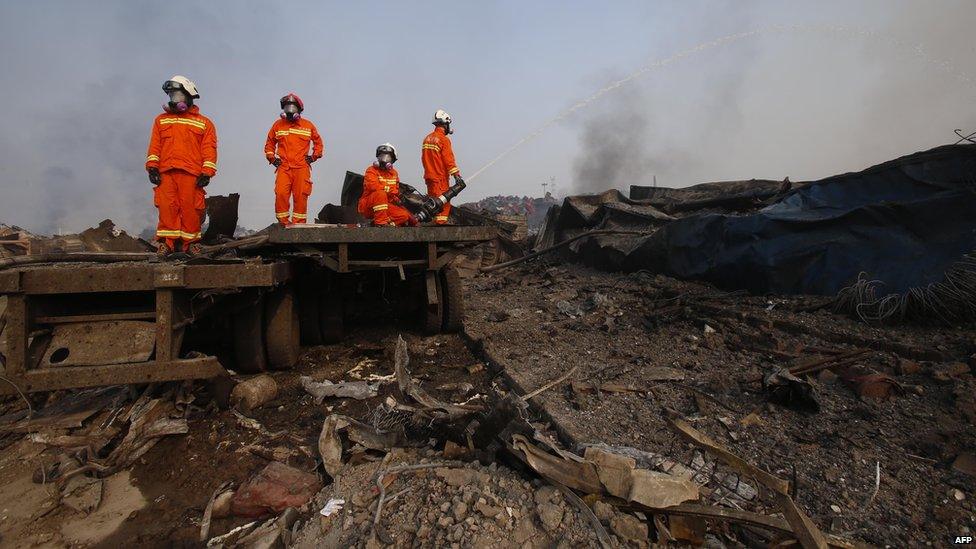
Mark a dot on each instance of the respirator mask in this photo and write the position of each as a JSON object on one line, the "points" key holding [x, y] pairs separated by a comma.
{"points": [[290, 112]]}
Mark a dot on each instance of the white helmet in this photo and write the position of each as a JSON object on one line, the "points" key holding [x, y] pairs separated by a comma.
{"points": [[387, 148], [180, 81], [441, 117]]}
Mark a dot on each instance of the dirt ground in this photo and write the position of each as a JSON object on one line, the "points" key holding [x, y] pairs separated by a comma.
{"points": [[525, 328], [176, 478], [539, 322]]}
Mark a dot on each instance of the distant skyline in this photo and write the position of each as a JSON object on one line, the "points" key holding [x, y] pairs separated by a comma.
{"points": [[824, 88]]}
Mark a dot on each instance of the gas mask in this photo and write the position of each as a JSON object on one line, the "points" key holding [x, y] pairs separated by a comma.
{"points": [[447, 129], [179, 101], [384, 161], [290, 112]]}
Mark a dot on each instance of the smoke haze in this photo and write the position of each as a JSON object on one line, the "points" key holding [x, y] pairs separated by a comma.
{"points": [[81, 85]]}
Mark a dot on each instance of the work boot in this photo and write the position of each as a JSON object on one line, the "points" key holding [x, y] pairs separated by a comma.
{"points": [[162, 250], [193, 249]]}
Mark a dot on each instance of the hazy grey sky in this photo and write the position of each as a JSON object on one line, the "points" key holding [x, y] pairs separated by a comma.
{"points": [[826, 87]]}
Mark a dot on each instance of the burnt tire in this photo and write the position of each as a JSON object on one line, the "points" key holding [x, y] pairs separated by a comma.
{"points": [[433, 315], [249, 352], [332, 318], [282, 333], [453, 294]]}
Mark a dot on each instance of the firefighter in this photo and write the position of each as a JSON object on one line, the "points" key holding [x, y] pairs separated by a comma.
{"points": [[181, 159], [380, 200], [439, 164], [287, 150]]}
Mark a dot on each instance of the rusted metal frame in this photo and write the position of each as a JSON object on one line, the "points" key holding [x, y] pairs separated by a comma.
{"points": [[445, 258], [343, 258], [68, 319], [378, 235], [165, 318], [87, 279], [51, 379], [9, 282], [122, 278], [18, 322], [432, 256], [172, 308], [431, 280]]}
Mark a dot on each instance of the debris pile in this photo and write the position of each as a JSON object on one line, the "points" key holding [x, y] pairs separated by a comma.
{"points": [[851, 233], [532, 209], [775, 383], [105, 237], [433, 500]]}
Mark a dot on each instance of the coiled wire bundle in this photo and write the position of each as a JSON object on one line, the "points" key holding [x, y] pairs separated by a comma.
{"points": [[949, 302]]}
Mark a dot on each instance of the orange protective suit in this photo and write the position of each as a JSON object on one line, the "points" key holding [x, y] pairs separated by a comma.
{"points": [[381, 198], [439, 165], [293, 178], [182, 146]]}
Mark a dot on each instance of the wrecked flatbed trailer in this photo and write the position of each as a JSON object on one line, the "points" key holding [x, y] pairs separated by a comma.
{"points": [[340, 269], [70, 325]]}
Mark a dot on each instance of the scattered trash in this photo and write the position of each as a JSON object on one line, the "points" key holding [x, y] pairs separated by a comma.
{"points": [[879, 386], [410, 387], [332, 506], [254, 392], [274, 489], [331, 444], [787, 390], [965, 463], [346, 389]]}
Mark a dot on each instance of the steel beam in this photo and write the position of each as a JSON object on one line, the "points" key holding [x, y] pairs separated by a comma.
{"points": [[331, 234], [53, 379]]}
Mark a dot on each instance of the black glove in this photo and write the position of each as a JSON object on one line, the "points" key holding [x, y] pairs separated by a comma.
{"points": [[458, 180], [408, 188], [309, 158], [154, 177], [203, 181], [275, 162]]}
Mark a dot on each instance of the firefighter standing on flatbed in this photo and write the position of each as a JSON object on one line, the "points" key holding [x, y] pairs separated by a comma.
{"points": [[380, 200], [181, 159], [287, 150], [437, 156]]}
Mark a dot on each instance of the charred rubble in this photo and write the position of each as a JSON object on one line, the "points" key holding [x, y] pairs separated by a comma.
{"points": [[734, 364]]}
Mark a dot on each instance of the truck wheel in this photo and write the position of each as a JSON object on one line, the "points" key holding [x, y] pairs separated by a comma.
{"points": [[433, 314], [453, 293], [249, 350], [281, 329], [332, 324]]}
